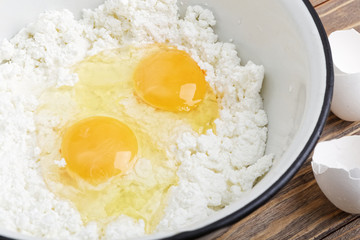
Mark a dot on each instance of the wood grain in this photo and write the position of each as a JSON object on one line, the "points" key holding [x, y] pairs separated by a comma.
{"points": [[340, 14], [300, 210], [349, 231], [316, 3]]}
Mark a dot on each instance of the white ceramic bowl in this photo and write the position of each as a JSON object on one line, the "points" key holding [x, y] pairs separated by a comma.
{"points": [[288, 39]]}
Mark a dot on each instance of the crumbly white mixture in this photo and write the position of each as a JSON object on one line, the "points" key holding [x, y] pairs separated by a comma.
{"points": [[215, 169]]}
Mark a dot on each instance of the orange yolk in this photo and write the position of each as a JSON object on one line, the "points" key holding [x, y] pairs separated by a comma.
{"points": [[98, 148], [171, 80]]}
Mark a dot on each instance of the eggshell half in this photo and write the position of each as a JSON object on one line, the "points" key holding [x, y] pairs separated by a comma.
{"points": [[336, 167], [345, 46], [346, 97]]}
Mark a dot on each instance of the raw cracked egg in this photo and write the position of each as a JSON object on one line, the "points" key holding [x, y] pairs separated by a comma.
{"points": [[184, 92], [106, 145], [98, 148], [337, 171]]}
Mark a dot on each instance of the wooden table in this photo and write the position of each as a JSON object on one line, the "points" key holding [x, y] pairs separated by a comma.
{"points": [[300, 210]]}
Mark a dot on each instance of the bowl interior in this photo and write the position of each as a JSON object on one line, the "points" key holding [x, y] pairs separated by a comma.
{"points": [[279, 34]]}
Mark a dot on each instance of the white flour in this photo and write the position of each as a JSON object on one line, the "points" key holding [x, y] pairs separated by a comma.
{"points": [[215, 170]]}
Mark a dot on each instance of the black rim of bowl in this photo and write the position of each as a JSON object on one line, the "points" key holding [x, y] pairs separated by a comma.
{"points": [[285, 178], [293, 169]]}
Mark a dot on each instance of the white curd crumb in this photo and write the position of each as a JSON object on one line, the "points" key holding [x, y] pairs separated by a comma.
{"points": [[125, 227], [60, 163]]}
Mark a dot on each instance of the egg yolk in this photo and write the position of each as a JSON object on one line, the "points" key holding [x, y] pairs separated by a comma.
{"points": [[171, 80], [98, 148]]}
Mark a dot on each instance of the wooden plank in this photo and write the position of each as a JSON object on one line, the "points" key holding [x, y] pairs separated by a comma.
{"points": [[349, 231], [340, 14], [336, 128]]}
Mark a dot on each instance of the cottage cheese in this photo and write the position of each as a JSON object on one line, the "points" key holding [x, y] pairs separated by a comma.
{"points": [[215, 169]]}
